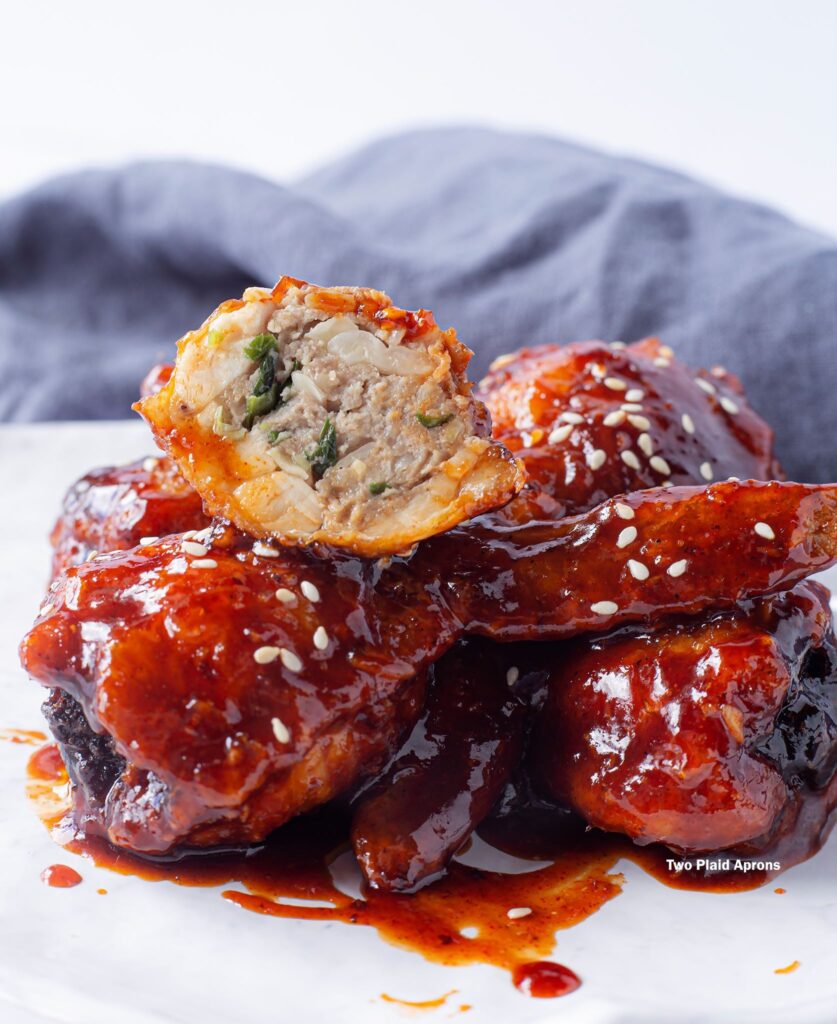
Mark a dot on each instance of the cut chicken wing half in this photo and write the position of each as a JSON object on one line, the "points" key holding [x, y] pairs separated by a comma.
{"points": [[329, 415]]}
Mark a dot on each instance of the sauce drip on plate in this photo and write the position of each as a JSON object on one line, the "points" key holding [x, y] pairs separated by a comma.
{"points": [[60, 876], [306, 871]]}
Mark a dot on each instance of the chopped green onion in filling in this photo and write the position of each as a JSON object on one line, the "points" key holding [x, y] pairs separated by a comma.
{"points": [[324, 454], [265, 395], [275, 436], [378, 487], [258, 347], [433, 421]]}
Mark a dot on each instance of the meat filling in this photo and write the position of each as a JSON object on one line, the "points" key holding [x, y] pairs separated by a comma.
{"points": [[355, 427]]}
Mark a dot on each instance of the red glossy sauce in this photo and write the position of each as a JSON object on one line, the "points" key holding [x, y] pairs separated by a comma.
{"points": [[60, 876], [46, 764], [545, 980], [294, 864]]}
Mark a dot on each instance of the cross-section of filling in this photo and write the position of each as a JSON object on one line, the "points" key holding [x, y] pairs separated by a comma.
{"points": [[329, 415]]}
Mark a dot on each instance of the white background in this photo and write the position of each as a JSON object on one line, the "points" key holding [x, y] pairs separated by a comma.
{"points": [[742, 93]]}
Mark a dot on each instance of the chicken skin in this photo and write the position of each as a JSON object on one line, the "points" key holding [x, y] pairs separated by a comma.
{"points": [[245, 683], [117, 508], [329, 415], [704, 734], [171, 664], [590, 421]]}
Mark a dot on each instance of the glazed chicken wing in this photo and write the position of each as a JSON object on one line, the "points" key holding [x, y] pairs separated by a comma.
{"points": [[242, 683], [591, 420], [705, 734], [239, 684], [120, 507], [328, 415], [449, 772]]}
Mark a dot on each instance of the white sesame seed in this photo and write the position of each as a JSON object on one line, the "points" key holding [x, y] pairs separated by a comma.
{"points": [[145, 541], [320, 638], [264, 655], [310, 591], [659, 463], [638, 570], [149, 465], [560, 434], [204, 563], [285, 596], [202, 535], [614, 384], [666, 484], [512, 675], [635, 395], [596, 459], [469, 932], [646, 444], [46, 608], [280, 730], [290, 660], [624, 511], [615, 418], [630, 459], [763, 530], [718, 371], [264, 550], [571, 417], [631, 407], [706, 470], [189, 534], [517, 912], [705, 385], [626, 537], [193, 548], [688, 423], [618, 345], [91, 555], [604, 608], [677, 568], [662, 361], [640, 422], [728, 405], [735, 479]]}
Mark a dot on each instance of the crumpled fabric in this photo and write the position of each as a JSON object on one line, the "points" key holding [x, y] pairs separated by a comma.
{"points": [[513, 239]]}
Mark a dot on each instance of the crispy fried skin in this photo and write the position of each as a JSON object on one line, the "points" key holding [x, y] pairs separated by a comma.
{"points": [[705, 734], [556, 407], [113, 509], [437, 471], [447, 775]]}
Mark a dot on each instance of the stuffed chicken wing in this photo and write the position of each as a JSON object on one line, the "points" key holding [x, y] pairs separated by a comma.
{"points": [[328, 415]]}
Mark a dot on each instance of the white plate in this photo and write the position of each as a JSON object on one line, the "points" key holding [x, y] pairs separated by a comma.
{"points": [[148, 953]]}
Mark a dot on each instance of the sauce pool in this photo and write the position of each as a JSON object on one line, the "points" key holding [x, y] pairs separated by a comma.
{"points": [[463, 918]]}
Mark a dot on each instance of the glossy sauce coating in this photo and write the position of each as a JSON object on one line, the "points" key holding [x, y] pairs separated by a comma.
{"points": [[592, 420], [114, 509], [447, 775], [707, 734]]}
